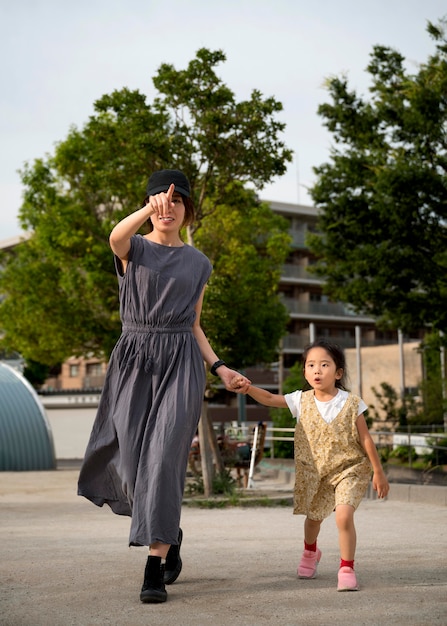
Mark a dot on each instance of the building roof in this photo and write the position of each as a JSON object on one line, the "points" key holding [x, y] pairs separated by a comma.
{"points": [[289, 208], [26, 440], [12, 242]]}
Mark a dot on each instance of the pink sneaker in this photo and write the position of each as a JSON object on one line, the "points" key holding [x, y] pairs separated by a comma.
{"points": [[309, 563], [347, 580]]}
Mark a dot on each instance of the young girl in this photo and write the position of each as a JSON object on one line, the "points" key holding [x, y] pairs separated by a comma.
{"points": [[334, 455]]}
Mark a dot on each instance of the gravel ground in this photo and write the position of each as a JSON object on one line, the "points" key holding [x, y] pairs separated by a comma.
{"points": [[66, 562]]}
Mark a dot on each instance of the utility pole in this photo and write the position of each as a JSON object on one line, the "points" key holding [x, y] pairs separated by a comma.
{"points": [[358, 341], [400, 339], [443, 381]]}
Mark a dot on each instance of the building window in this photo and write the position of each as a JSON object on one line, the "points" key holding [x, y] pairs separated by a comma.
{"points": [[94, 369], [74, 370]]}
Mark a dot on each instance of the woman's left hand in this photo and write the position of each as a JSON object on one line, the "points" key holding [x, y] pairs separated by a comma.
{"points": [[231, 378]]}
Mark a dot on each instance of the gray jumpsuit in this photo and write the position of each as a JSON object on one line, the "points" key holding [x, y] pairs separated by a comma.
{"points": [[137, 455]]}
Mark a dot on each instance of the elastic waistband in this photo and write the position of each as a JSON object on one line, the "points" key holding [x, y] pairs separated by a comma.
{"points": [[146, 328]]}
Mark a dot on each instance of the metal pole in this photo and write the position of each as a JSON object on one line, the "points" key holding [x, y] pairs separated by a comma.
{"points": [[242, 404], [241, 407], [443, 381], [358, 340], [280, 367], [250, 484], [311, 332], [400, 339]]}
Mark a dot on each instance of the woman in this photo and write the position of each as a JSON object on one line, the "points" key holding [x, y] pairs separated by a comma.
{"points": [[150, 406]]}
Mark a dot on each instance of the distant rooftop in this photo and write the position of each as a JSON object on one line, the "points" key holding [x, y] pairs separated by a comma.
{"points": [[5, 244]]}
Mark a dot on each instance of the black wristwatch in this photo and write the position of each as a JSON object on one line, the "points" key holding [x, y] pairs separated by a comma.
{"points": [[215, 366]]}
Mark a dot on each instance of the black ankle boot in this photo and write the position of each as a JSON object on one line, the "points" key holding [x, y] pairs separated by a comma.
{"points": [[173, 561], [153, 589]]}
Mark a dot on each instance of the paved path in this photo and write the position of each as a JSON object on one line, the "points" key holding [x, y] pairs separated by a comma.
{"points": [[66, 562]]}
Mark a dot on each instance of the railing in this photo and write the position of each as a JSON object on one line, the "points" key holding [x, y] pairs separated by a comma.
{"points": [[326, 309], [299, 342], [298, 238], [250, 484], [93, 381], [299, 272], [243, 432], [380, 438], [293, 342]]}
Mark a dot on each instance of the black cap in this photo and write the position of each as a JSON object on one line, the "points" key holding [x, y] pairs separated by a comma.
{"points": [[163, 179]]}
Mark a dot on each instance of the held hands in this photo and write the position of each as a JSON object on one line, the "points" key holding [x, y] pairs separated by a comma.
{"points": [[229, 378], [239, 384]]}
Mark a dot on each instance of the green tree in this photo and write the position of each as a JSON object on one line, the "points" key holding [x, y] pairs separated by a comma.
{"points": [[215, 139], [432, 383], [382, 197], [438, 456], [59, 287], [242, 314], [37, 374], [392, 411]]}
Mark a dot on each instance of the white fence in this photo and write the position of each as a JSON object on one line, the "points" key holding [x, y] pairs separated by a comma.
{"points": [[423, 444]]}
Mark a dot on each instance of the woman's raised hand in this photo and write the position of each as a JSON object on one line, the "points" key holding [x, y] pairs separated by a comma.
{"points": [[161, 203]]}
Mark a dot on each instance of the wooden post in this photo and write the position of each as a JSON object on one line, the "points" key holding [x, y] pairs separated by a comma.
{"points": [[206, 458], [219, 466]]}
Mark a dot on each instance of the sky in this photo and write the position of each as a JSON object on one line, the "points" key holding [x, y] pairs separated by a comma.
{"points": [[57, 58]]}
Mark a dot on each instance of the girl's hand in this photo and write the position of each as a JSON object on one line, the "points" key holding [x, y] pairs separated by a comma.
{"points": [[380, 484], [228, 376], [239, 384]]}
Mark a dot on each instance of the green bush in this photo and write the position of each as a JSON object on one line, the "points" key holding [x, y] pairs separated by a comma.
{"points": [[403, 453], [438, 456], [222, 483], [384, 453]]}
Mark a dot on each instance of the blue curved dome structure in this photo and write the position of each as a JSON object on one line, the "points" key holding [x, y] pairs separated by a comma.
{"points": [[26, 440]]}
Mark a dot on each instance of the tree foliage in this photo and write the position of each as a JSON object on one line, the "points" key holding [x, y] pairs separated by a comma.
{"points": [[242, 315], [216, 139], [394, 412], [382, 196], [59, 287], [432, 387]]}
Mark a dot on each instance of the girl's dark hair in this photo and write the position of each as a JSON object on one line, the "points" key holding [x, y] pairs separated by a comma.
{"points": [[189, 212], [337, 355]]}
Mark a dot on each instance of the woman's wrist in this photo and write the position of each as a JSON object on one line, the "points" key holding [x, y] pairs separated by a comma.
{"points": [[150, 210], [215, 366]]}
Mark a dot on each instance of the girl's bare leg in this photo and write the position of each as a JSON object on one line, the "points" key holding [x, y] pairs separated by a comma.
{"points": [[311, 530], [347, 537]]}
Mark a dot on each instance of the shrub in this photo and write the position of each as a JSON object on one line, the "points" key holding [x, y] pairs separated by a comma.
{"points": [[438, 456], [403, 453]]}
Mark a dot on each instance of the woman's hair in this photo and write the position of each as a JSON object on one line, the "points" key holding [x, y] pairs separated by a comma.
{"points": [[336, 354], [189, 212]]}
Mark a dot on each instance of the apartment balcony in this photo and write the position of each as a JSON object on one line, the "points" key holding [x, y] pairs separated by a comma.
{"points": [[296, 343], [314, 311], [298, 274], [93, 381], [298, 239]]}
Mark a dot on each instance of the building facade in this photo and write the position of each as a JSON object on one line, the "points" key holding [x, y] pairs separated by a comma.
{"points": [[312, 316]]}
